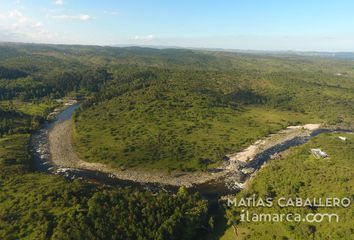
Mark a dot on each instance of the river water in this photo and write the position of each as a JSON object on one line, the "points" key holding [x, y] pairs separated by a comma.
{"points": [[42, 160], [211, 189]]}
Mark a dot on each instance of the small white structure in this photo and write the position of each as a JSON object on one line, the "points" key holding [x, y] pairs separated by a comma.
{"points": [[342, 138], [318, 153], [70, 102], [240, 185], [247, 170]]}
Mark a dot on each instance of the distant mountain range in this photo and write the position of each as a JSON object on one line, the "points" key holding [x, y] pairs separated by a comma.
{"points": [[339, 55]]}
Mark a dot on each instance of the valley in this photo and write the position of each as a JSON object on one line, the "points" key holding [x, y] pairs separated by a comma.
{"points": [[163, 141]]}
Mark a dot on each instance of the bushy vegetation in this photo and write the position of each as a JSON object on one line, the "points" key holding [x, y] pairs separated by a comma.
{"points": [[11, 73], [301, 175], [40, 206], [190, 119], [37, 206], [176, 109]]}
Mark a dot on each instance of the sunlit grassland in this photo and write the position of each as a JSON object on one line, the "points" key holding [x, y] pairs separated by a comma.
{"points": [[14, 149], [160, 137], [28, 108]]}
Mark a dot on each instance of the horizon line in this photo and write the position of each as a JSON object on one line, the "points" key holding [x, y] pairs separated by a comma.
{"points": [[162, 47]]}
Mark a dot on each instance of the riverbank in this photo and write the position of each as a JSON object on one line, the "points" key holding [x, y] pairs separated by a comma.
{"points": [[230, 173], [63, 155]]}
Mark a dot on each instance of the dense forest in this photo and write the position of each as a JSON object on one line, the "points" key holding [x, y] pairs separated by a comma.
{"points": [[39, 206], [163, 109]]}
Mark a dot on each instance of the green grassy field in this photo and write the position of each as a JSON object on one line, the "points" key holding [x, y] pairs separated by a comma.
{"points": [[28, 108], [161, 137], [18, 117], [14, 149]]}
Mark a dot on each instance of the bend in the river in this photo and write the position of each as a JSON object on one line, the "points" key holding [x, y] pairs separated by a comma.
{"points": [[53, 153]]}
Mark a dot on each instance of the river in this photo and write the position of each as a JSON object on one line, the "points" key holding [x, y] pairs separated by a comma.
{"points": [[227, 184]]}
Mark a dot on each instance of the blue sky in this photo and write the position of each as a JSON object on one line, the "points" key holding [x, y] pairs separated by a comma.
{"points": [[326, 25]]}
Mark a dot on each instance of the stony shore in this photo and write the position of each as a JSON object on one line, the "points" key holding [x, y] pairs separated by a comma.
{"points": [[63, 155]]}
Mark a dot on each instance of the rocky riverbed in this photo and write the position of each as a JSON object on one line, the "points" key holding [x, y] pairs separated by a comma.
{"points": [[54, 153]]}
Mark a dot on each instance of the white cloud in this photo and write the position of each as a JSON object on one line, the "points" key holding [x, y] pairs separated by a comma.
{"points": [[114, 13], [145, 38], [84, 17], [37, 25], [16, 26], [58, 2], [15, 14], [80, 17]]}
